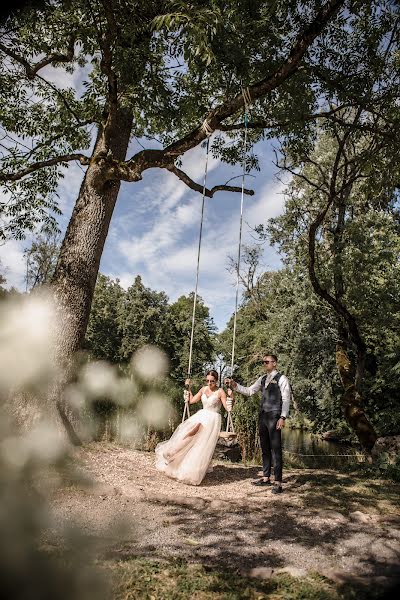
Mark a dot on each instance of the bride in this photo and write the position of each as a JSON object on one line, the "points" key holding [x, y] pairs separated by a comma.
{"points": [[187, 455]]}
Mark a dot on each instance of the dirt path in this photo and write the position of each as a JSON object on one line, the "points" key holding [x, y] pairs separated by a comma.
{"points": [[326, 522]]}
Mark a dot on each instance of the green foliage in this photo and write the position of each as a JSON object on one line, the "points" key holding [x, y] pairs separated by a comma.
{"points": [[142, 319], [172, 62], [282, 316], [180, 317], [122, 321], [360, 268], [103, 334], [177, 579], [196, 26]]}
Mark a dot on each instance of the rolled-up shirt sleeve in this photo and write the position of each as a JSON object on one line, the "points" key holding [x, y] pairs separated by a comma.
{"points": [[285, 392], [249, 391]]}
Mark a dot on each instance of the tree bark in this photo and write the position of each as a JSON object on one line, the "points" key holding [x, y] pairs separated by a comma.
{"points": [[352, 401], [78, 263]]}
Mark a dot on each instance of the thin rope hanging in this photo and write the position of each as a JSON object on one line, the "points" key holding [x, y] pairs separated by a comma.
{"points": [[229, 422], [186, 411]]}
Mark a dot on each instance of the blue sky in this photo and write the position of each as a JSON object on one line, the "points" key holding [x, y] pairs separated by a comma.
{"points": [[155, 227]]}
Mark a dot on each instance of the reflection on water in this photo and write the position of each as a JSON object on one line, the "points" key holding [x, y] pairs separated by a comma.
{"points": [[312, 451]]}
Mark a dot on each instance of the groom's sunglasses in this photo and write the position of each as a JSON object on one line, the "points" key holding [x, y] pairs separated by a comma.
{"points": [[266, 362]]}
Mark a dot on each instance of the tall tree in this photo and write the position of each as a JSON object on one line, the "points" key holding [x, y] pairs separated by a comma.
{"points": [[142, 319], [104, 335], [178, 84], [179, 334], [349, 175]]}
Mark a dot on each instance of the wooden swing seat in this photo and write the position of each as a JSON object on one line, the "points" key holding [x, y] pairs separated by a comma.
{"points": [[228, 435]]}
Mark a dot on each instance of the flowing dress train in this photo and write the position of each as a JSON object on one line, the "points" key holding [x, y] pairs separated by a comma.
{"points": [[187, 455]]}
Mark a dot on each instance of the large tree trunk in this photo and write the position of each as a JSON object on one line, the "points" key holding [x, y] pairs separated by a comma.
{"points": [[352, 401], [78, 264]]}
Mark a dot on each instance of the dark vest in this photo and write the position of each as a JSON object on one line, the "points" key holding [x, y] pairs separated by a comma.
{"points": [[271, 397]]}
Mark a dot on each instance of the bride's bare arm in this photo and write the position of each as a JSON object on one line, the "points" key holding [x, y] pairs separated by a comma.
{"points": [[196, 397], [222, 397]]}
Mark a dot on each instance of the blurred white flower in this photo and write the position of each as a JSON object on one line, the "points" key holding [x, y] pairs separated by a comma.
{"points": [[75, 397], [125, 392], [13, 453], [42, 444], [130, 430], [45, 444], [26, 335], [154, 410], [150, 362], [99, 379]]}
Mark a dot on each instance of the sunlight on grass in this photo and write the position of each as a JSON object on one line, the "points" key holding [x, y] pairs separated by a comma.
{"points": [[176, 579]]}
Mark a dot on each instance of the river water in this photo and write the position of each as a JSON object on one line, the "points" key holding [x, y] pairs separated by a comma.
{"points": [[312, 451]]}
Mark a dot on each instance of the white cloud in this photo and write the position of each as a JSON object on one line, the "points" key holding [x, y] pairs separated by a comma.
{"points": [[269, 203], [125, 279], [184, 214], [62, 79], [164, 249], [180, 261]]}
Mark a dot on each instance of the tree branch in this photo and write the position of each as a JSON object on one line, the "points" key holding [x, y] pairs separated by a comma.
{"points": [[199, 188], [32, 70], [271, 124], [262, 87], [339, 308], [131, 170], [84, 160]]}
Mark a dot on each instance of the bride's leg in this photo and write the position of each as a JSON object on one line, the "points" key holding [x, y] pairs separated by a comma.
{"points": [[171, 453], [193, 431]]}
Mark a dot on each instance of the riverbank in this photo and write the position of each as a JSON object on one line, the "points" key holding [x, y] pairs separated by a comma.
{"points": [[338, 527]]}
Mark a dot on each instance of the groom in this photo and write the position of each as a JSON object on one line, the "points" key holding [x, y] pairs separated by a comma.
{"points": [[274, 407]]}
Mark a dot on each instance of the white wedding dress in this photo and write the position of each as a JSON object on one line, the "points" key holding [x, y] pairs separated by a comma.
{"points": [[187, 457]]}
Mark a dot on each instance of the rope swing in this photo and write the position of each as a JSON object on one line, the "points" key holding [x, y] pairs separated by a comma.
{"points": [[230, 431], [186, 412], [229, 423]]}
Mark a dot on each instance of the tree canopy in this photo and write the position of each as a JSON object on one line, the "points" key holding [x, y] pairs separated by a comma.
{"points": [[179, 69]]}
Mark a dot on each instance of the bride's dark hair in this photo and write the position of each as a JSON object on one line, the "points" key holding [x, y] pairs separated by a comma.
{"points": [[213, 373]]}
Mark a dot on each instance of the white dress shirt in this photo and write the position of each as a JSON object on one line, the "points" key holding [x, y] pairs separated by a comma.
{"points": [[283, 386]]}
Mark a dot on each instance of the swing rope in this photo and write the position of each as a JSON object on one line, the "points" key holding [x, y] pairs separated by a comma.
{"points": [[246, 97], [207, 130], [189, 373]]}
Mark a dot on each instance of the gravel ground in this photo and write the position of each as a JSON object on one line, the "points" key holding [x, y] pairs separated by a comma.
{"points": [[324, 521]]}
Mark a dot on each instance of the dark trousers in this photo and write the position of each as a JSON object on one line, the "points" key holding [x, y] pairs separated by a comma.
{"points": [[271, 444]]}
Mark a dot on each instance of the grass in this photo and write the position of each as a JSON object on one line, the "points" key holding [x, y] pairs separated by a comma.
{"points": [[176, 579]]}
